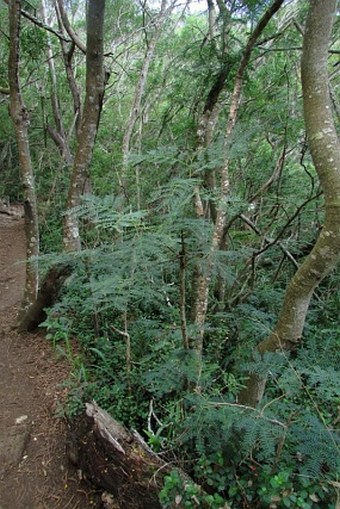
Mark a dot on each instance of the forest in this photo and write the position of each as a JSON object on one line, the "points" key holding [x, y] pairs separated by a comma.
{"points": [[179, 166]]}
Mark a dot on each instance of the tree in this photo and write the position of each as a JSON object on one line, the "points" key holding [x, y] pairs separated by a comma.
{"points": [[58, 133], [180, 282], [204, 273], [95, 84], [20, 118], [68, 54], [325, 149]]}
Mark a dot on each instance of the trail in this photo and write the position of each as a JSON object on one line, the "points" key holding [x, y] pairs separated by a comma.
{"points": [[34, 471]]}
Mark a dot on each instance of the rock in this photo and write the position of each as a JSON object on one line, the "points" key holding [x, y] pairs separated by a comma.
{"points": [[12, 446]]}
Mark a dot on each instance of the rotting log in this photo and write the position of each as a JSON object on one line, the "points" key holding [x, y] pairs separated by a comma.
{"points": [[47, 296], [116, 460]]}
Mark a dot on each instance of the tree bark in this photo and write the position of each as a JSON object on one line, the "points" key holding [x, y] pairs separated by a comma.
{"points": [[58, 134], [325, 150], [95, 85], [20, 120], [67, 58], [47, 296], [212, 17], [74, 37]]}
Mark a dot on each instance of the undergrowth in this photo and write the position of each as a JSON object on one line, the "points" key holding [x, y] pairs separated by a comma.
{"points": [[122, 307], [285, 454]]}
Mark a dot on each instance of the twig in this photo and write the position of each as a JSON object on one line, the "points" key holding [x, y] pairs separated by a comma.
{"points": [[246, 407], [288, 223], [127, 337], [182, 269], [287, 253], [271, 402], [152, 414]]}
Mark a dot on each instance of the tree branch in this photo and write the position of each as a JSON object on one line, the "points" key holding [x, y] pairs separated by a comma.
{"points": [[251, 409], [251, 225], [40, 24], [69, 29], [288, 223]]}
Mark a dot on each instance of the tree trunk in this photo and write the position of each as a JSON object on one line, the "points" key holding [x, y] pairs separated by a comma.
{"points": [[140, 89], [204, 277], [212, 18], [67, 58], [58, 134], [74, 37], [325, 149], [47, 296], [20, 120], [90, 119]]}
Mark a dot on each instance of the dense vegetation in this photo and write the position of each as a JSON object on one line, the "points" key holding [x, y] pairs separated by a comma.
{"points": [[130, 317]]}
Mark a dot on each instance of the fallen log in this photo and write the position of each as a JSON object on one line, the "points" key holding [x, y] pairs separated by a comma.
{"points": [[117, 461], [122, 466]]}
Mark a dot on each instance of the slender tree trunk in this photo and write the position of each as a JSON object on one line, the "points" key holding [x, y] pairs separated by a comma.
{"points": [[90, 120], [212, 17], [182, 293], [204, 276], [67, 58], [325, 149], [58, 134], [139, 91], [20, 120], [66, 23], [205, 132]]}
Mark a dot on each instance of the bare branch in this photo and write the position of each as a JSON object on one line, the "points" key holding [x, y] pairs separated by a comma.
{"points": [[258, 232], [69, 29], [248, 408], [40, 24]]}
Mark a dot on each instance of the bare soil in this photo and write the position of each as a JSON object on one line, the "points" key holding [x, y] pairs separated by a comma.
{"points": [[34, 470]]}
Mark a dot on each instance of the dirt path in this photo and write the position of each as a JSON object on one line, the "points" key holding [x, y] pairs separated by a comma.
{"points": [[34, 472]]}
